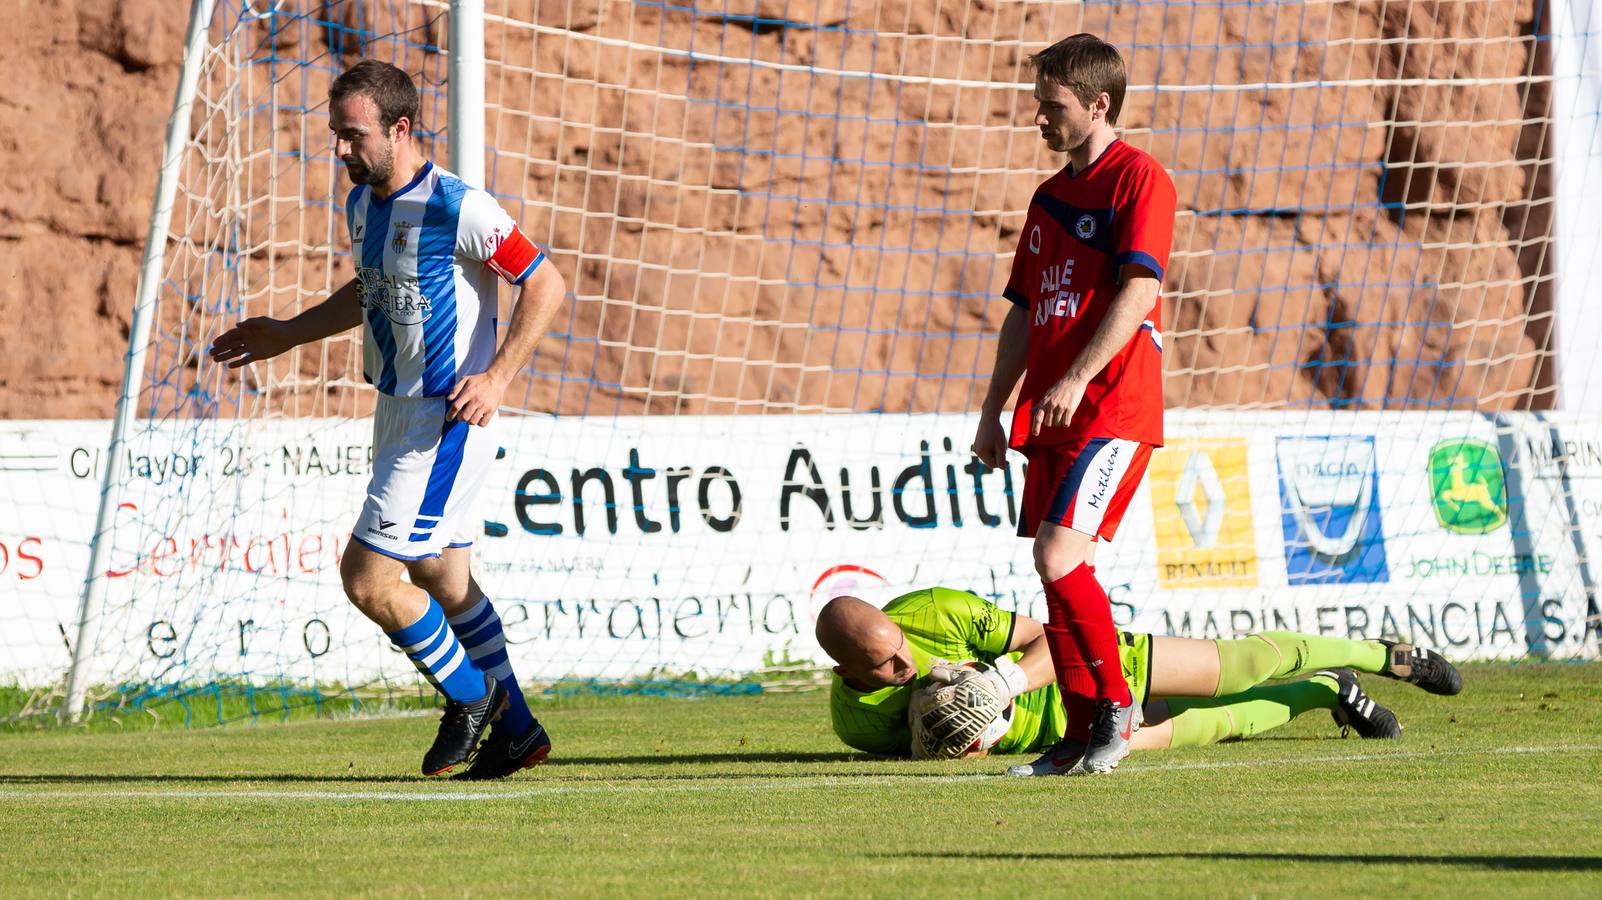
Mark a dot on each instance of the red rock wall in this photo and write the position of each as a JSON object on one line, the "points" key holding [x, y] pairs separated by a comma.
{"points": [[1372, 237]]}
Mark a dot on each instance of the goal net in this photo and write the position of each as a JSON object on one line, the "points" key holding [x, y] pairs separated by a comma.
{"points": [[784, 227]]}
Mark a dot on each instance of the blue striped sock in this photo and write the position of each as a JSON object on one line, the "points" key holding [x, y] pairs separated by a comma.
{"points": [[479, 630], [432, 647]]}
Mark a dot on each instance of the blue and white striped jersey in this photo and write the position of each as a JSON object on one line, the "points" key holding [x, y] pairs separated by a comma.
{"points": [[427, 260]]}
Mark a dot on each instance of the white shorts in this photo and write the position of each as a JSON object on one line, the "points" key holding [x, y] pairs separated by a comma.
{"points": [[426, 477]]}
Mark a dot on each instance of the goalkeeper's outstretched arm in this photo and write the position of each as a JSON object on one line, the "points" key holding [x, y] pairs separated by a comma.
{"points": [[1029, 636], [263, 337]]}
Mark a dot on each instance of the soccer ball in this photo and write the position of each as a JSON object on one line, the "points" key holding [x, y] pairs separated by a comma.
{"points": [[994, 732]]}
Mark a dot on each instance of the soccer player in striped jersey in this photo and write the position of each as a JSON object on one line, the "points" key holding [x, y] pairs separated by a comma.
{"points": [[1191, 692], [430, 251], [1085, 334]]}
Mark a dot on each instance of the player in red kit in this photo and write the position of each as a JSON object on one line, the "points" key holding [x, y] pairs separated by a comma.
{"points": [[1085, 334]]}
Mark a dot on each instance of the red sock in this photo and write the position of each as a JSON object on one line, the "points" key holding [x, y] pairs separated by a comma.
{"points": [[1086, 615], [1077, 688]]}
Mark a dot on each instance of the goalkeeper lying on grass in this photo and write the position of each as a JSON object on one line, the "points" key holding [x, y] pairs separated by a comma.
{"points": [[1192, 692]]}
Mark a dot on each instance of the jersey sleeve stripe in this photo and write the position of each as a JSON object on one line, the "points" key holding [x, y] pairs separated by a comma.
{"points": [[1016, 297], [523, 276], [1138, 258], [1151, 330], [519, 277]]}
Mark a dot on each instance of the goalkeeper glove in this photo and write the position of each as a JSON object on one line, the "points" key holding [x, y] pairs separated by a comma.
{"points": [[1002, 678]]}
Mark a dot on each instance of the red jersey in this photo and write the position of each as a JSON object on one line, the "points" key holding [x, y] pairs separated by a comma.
{"points": [[1080, 229]]}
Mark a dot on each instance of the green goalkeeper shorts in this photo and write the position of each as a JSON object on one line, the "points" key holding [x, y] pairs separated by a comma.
{"points": [[1135, 652], [1038, 718]]}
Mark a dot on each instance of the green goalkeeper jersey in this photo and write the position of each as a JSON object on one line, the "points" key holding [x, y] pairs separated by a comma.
{"points": [[953, 625], [958, 626]]}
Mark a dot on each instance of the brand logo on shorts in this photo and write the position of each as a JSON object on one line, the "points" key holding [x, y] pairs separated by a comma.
{"points": [[1104, 476], [384, 523], [380, 530], [1085, 227], [1467, 486]]}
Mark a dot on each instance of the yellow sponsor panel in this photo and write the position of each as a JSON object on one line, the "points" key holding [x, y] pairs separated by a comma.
{"points": [[1202, 507]]}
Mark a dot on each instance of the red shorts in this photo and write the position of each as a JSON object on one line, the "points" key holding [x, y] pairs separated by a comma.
{"points": [[1085, 484]]}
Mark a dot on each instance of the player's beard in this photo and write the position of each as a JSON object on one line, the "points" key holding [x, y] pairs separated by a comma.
{"points": [[378, 173]]}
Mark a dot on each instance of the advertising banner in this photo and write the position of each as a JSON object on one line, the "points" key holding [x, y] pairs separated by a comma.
{"points": [[670, 545]]}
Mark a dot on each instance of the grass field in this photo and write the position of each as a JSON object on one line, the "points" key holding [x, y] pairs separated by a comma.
{"points": [[1496, 791]]}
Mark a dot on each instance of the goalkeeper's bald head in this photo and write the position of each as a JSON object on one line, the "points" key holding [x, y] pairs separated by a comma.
{"points": [[869, 649]]}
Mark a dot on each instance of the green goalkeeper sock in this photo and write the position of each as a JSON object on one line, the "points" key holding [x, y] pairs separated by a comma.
{"points": [[1199, 721], [1257, 658]]}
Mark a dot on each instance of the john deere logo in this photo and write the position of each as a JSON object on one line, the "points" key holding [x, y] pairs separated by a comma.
{"points": [[1466, 486]]}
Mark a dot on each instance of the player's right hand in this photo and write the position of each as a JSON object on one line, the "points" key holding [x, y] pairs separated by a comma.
{"points": [[990, 443], [946, 717], [251, 340]]}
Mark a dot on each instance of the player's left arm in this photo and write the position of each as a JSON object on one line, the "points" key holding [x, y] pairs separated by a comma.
{"points": [[1142, 252], [487, 235], [475, 398]]}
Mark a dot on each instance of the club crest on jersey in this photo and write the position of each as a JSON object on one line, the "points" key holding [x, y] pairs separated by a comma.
{"points": [[400, 299], [492, 243], [1085, 227], [402, 230]]}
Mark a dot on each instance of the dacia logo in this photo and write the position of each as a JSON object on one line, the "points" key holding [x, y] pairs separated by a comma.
{"points": [[1328, 485], [1467, 487]]}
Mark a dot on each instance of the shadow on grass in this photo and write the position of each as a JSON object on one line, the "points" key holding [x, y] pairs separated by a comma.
{"points": [[1517, 863], [206, 779], [702, 759], [776, 756]]}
